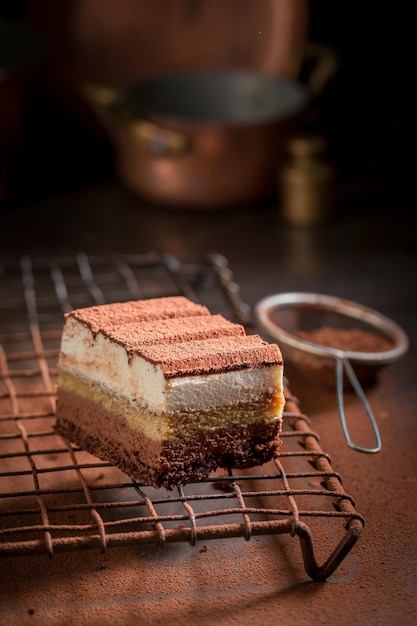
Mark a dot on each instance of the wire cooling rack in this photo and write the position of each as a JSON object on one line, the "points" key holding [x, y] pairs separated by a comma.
{"points": [[55, 497]]}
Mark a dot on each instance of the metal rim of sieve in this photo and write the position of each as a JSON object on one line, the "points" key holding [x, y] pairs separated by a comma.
{"points": [[265, 307]]}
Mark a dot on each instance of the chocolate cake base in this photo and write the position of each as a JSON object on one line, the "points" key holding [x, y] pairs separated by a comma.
{"points": [[165, 463]]}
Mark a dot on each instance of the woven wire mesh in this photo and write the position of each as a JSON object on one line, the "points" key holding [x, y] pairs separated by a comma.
{"points": [[55, 497]]}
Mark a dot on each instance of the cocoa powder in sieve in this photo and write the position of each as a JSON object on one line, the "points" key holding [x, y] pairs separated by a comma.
{"points": [[352, 339], [348, 339]]}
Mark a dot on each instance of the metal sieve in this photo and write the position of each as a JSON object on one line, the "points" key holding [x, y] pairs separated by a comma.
{"points": [[279, 314]]}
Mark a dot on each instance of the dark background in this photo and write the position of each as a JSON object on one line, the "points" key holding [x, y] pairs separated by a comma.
{"points": [[369, 108], [366, 111]]}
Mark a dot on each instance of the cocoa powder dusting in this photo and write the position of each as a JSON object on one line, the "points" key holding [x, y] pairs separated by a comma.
{"points": [[349, 339], [322, 368]]}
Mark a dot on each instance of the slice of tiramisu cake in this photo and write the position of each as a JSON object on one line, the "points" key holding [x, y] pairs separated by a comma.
{"points": [[166, 391]]}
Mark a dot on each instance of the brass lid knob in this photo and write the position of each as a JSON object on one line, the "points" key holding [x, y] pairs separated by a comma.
{"points": [[307, 145]]}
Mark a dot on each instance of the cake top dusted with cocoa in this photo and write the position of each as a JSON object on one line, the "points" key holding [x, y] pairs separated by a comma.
{"points": [[178, 335], [213, 355], [107, 316], [133, 335]]}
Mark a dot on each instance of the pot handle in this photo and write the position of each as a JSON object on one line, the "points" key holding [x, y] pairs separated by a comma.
{"points": [[112, 110], [324, 64], [108, 104], [159, 141]]}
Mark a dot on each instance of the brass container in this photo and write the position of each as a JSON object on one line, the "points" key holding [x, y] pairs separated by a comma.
{"points": [[307, 183]]}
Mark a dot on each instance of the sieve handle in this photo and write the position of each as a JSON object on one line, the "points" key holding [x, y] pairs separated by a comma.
{"points": [[344, 366]]}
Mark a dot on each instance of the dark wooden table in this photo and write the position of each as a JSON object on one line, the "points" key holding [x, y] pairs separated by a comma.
{"points": [[367, 253]]}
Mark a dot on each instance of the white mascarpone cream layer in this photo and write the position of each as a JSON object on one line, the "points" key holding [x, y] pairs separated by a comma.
{"points": [[100, 360]]}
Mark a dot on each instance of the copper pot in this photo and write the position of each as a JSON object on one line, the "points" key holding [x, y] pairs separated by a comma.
{"points": [[209, 139], [212, 139]]}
